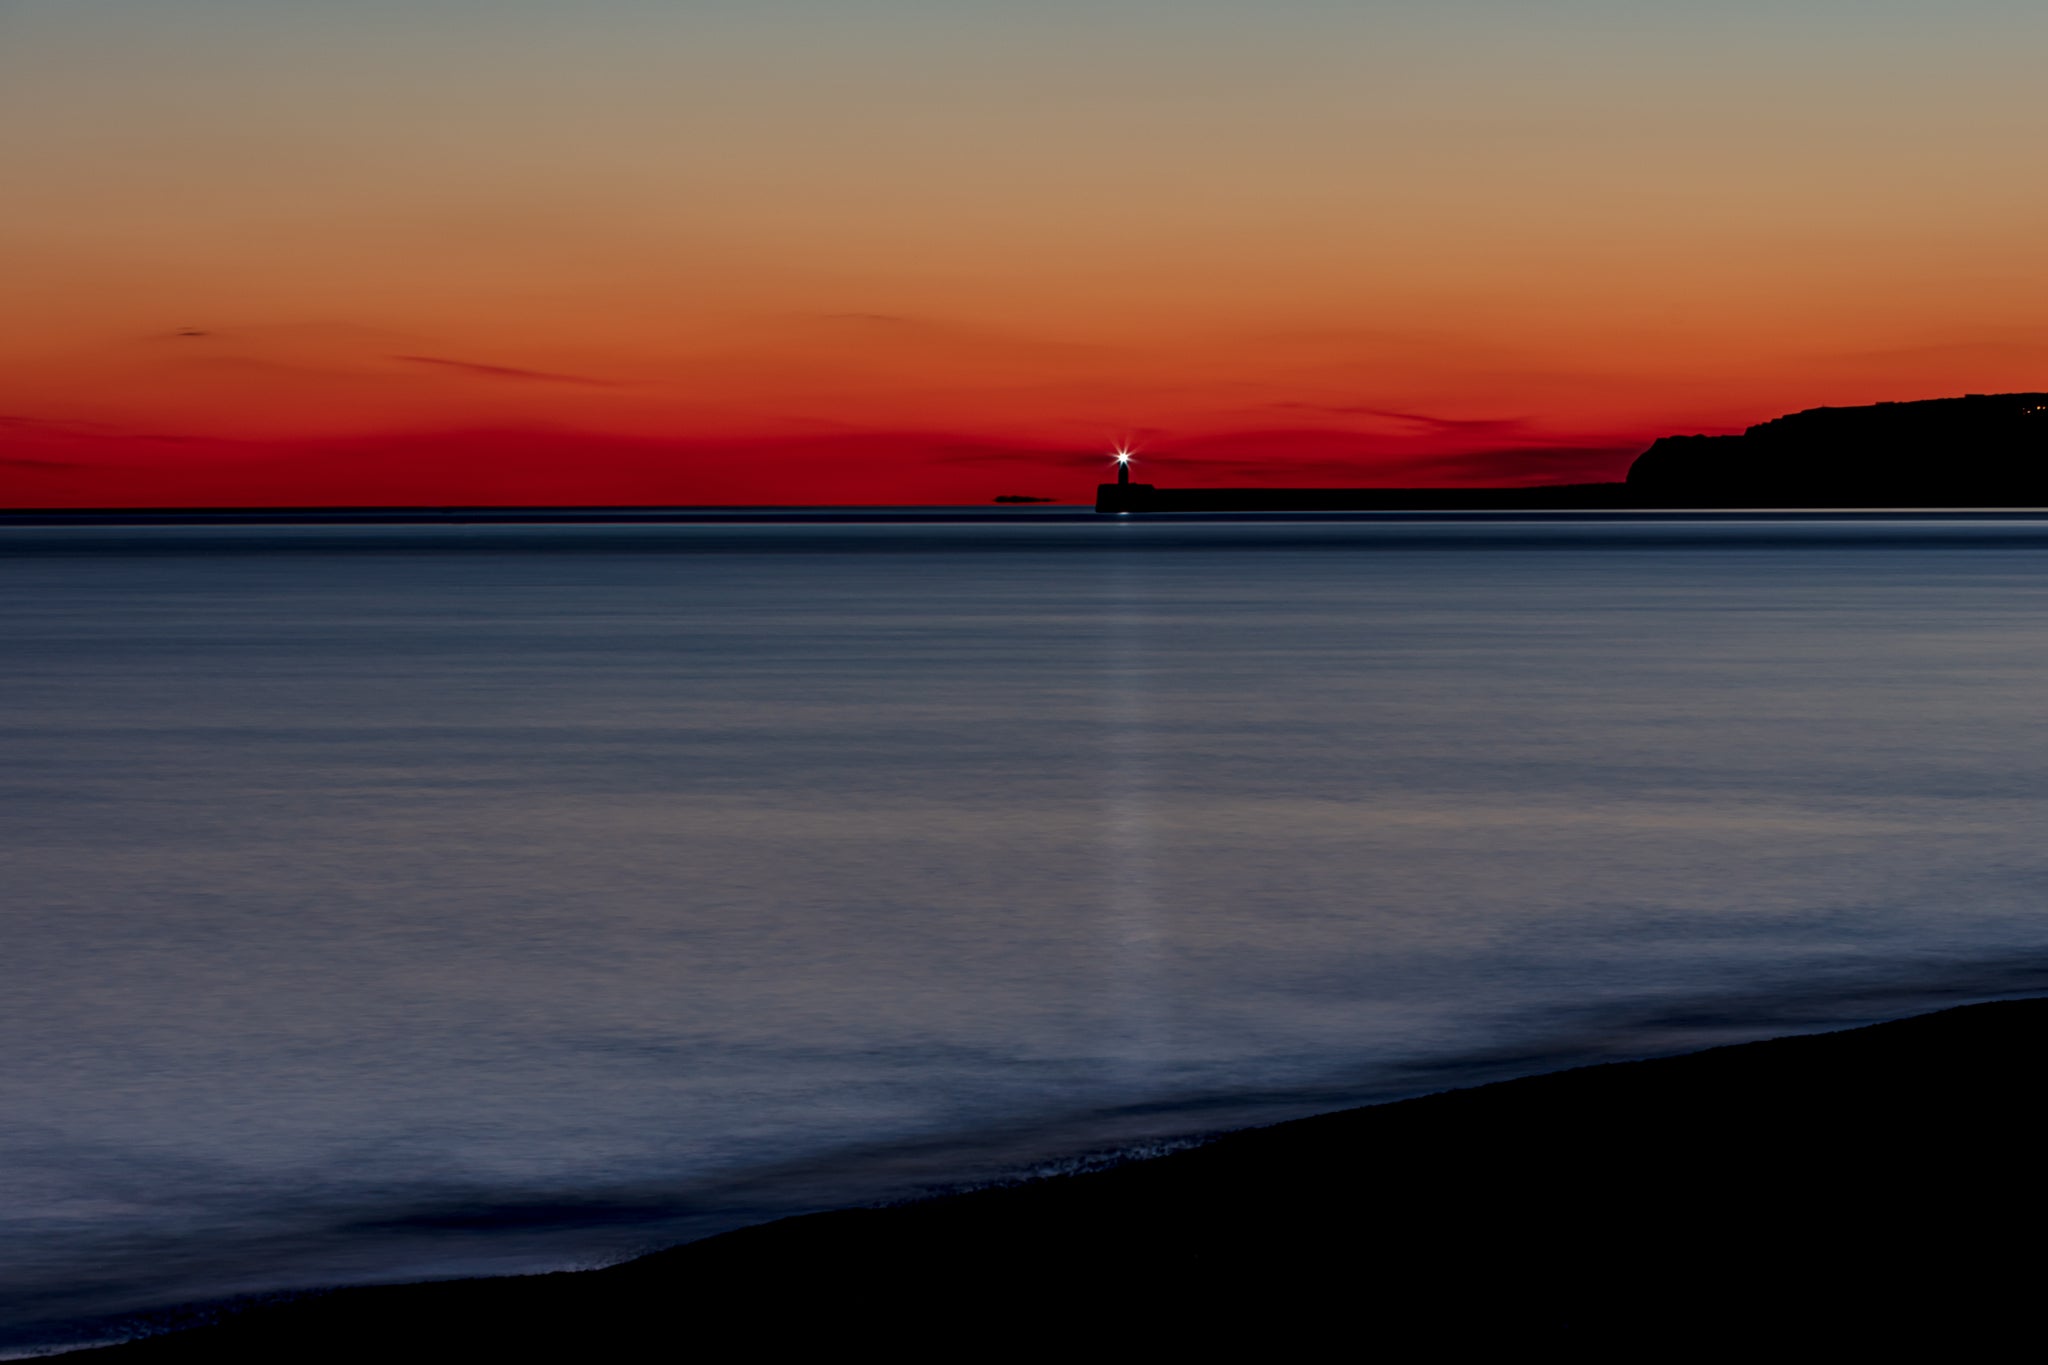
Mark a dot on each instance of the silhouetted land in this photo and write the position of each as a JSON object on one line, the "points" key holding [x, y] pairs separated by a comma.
{"points": [[1145, 497], [1878, 1185], [1981, 450]]}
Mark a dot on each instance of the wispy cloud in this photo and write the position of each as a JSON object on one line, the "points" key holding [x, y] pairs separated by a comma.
{"points": [[1501, 428], [505, 372], [18, 422], [72, 429], [1338, 457]]}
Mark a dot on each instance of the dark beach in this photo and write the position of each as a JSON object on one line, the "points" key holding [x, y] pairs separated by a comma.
{"points": [[1875, 1185]]}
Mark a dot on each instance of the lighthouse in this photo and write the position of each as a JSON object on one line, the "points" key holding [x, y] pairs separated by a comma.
{"points": [[1123, 495]]}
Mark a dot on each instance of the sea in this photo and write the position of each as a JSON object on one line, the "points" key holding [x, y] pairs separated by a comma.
{"points": [[395, 902]]}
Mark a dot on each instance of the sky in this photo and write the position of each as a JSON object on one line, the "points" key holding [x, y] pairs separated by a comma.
{"points": [[934, 251]]}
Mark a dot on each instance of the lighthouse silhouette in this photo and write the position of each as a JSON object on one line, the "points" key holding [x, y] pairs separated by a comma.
{"points": [[1123, 495]]}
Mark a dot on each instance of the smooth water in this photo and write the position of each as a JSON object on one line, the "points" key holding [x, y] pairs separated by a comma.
{"points": [[387, 903]]}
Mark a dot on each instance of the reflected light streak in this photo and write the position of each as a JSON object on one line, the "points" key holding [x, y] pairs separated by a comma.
{"points": [[1137, 1054]]}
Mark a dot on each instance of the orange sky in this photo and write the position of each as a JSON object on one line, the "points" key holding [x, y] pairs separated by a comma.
{"points": [[898, 250]]}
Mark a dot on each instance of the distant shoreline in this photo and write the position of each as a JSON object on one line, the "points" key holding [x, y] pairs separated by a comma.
{"points": [[1392, 509], [1859, 1185]]}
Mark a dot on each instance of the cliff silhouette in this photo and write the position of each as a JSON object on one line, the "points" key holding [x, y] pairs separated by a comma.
{"points": [[1981, 450]]}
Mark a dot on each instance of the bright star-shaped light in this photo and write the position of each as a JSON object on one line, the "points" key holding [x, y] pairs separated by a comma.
{"points": [[1123, 456]]}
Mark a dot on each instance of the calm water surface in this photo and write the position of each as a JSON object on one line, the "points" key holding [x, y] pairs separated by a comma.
{"points": [[381, 904]]}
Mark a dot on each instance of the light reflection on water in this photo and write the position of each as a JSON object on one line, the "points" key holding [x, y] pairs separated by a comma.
{"points": [[386, 903], [1130, 891]]}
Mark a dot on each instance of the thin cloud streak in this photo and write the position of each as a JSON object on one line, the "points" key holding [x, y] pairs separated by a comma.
{"points": [[505, 372], [1463, 426]]}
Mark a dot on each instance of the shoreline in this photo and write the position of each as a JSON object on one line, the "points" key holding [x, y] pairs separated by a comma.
{"points": [[1850, 1185], [1169, 506]]}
